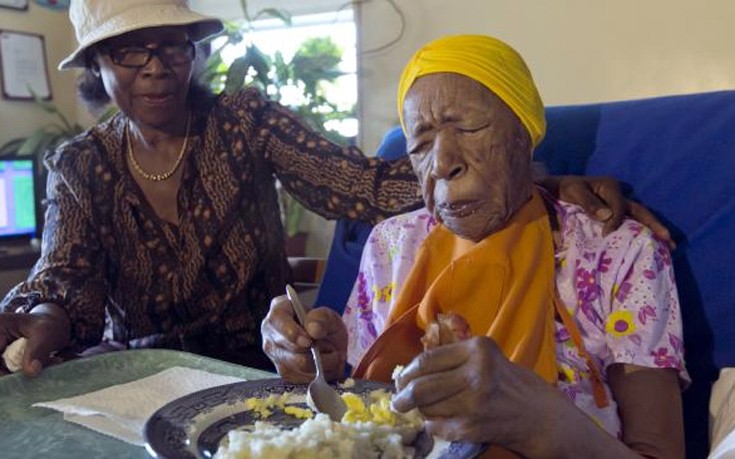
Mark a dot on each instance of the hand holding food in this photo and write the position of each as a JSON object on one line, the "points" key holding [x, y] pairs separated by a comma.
{"points": [[47, 330], [447, 329], [466, 388]]}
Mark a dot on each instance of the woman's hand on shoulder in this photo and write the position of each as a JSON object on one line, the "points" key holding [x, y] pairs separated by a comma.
{"points": [[47, 330], [603, 200], [288, 344]]}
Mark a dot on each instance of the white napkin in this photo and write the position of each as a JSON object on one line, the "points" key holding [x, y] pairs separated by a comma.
{"points": [[725, 449], [122, 410], [722, 416]]}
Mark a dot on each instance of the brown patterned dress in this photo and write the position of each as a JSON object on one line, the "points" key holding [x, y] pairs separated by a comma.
{"points": [[205, 284]]}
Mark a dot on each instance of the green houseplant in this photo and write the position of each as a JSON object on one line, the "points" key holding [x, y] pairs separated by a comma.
{"points": [[43, 138], [313, 65], [46, 137]]}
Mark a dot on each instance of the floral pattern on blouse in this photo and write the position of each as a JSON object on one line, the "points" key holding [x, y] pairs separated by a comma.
{"points": [[619, 289]]}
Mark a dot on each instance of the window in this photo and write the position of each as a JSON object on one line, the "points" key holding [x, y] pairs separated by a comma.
{"points": [[272, 37]]}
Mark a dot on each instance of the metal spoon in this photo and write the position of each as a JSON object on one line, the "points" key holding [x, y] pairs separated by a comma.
{"points": [[320, 395]]}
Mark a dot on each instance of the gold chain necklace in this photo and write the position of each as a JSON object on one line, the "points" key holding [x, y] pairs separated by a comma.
{"points": [[162, 176]]}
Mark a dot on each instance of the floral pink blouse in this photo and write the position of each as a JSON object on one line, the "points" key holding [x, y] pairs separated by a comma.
{"points": [[620, 289]]}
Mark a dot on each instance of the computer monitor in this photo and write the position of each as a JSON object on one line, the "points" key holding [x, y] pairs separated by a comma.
{"points": [[19, 217]]}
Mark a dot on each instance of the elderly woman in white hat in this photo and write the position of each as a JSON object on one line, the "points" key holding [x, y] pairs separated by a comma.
{"points": [[163, 223]]}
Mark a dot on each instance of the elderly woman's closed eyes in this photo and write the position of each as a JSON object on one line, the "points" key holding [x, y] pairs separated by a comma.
{"points": [[470, 153]]}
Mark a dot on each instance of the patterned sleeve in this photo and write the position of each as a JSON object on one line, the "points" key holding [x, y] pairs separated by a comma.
{"points": [[68, 271], [329, 179], [643, 326]]}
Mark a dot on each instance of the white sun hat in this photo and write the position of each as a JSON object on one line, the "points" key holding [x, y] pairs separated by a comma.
{"points": [[97, 20]]}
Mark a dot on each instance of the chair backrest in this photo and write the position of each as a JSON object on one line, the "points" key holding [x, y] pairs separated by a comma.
{"points": [[349, 239], [677, 153]]}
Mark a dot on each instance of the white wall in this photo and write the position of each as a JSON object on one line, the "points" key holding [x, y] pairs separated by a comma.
{"points": [[232, 9], [20, 118], [578, 50]]}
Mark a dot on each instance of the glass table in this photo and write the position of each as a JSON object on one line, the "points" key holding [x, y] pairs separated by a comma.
{"points": [[27, 431]]}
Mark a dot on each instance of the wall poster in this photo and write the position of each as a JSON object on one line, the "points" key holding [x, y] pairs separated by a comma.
{"points": [[23, 64], [15, 4]]}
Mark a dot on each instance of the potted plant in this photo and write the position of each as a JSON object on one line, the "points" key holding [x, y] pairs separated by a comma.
{"points": [[315, 62], [43, 138], [47, 137]]}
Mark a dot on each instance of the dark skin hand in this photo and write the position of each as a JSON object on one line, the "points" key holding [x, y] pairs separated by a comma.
{"points": [[47, 329], [470, 391], [602, 199], [287, 344]]}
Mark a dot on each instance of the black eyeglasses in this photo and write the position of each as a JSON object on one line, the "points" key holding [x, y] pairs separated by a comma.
{"points": [[140, 56]]}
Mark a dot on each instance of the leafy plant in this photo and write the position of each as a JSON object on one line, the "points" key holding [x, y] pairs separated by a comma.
{"points": [[46, 137], [315, 63], [230, 78]]}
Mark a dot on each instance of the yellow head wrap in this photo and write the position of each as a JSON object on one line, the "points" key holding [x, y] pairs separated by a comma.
{"points": [[488, 61]]}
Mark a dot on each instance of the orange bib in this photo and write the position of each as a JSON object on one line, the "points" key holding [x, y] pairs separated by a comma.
{"points": [[503, 286]]}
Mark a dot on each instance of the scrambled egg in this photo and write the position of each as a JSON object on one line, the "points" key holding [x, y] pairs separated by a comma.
{"points": [[374, 407], [300, 413], [378, 410], [262, 407]]}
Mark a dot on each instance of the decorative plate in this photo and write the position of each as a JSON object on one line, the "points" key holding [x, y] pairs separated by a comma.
{"points": [[191, 427]]}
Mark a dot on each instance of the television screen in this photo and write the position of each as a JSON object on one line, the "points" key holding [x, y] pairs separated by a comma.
{"points": [[17, 198]]}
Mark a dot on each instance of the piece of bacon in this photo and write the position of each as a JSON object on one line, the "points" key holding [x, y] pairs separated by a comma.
{"points": [[448, 328]]}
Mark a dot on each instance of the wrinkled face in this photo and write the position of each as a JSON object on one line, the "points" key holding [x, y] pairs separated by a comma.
{"points": [[471, 153], [154, 94]]}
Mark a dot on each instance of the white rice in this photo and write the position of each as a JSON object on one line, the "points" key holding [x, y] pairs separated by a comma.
{"points": [[317, 438]]}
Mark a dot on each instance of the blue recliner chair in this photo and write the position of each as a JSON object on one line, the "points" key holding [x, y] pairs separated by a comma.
{"points": [[349, 239], [677, 154]]}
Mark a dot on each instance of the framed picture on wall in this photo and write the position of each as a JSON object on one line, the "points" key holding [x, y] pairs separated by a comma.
{"points": [[23, 65], [15, 4]]}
